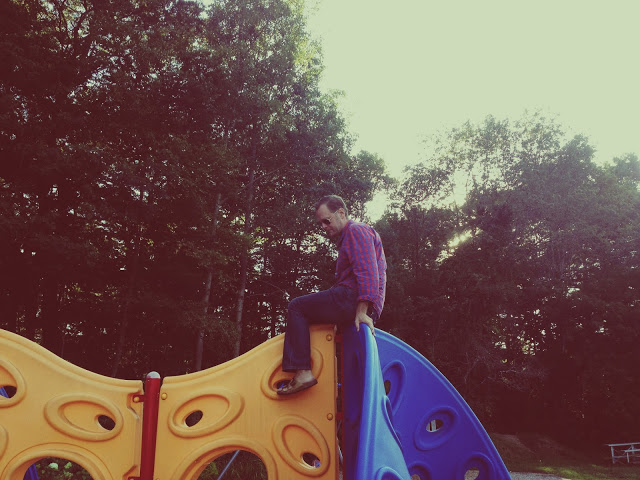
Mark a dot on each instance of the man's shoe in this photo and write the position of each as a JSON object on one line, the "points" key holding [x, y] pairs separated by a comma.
{"points": [[294, 386]]}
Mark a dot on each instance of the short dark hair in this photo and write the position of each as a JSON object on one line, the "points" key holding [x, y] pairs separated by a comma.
{"points": [[333, 203]]}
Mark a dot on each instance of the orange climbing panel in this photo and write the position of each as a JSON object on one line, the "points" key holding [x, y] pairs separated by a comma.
{"points": [[236, 407], [61, 410]]}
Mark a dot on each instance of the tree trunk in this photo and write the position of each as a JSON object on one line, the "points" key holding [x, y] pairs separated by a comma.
{"points": [[133, 277], [10, 312], [244, 261], [274, 315], [31, 308], [207, 290], [51, 328]]}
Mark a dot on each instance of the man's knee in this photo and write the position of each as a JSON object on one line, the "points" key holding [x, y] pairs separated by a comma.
{"points": [[296, 311], [294, 304]]}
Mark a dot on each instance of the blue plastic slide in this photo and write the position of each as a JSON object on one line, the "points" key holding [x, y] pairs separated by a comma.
{"points": [[32, 472], [372, 449], [404, 419]]}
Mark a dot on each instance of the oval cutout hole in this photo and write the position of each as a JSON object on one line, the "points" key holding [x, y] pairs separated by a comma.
{"points": [[193, 418], [434, 425], [311, 460], [9, 391], [281, 383], [235, 465], [55, 467], [420, 472], [387, 386], [472, 474], [107, 423]]}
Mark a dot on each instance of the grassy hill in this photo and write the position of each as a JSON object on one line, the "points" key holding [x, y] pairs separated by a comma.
{"points": [[540, 454]]}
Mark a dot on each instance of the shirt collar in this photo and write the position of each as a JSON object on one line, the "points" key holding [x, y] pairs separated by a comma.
{"points": [[343, 232]]}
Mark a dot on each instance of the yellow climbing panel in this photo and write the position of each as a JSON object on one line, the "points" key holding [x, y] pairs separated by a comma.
{"points": [[61, 410], [294, 436]]}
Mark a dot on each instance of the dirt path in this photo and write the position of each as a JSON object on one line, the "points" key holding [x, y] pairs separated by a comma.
{"points": [[523, 476], [534, 476]]}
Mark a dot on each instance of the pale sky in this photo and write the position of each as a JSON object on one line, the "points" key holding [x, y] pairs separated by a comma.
{"points": [[411, 68]]}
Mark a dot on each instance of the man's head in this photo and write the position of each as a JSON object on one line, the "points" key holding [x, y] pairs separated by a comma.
{"points": [[332, 215]]}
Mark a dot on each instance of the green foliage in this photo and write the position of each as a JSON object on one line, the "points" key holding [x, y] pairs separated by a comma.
{"points": [[59, 469], [159, 161], [517, 263]]}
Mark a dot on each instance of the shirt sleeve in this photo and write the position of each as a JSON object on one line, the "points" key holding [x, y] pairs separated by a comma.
{"points": [[362, 256]]}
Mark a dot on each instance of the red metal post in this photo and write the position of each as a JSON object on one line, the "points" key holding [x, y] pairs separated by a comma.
{"points": [[149, 425]]}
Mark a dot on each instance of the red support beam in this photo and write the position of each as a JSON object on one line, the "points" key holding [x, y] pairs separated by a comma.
{"points": [[151, 399]]}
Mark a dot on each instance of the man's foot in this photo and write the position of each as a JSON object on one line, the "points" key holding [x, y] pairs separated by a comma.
{"points": [[295, 385]]}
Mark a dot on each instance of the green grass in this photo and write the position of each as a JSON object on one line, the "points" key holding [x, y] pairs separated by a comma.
{"points": [[594, 472], [538, 454]]}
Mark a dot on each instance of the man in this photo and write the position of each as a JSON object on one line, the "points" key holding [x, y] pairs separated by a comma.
{"points": [[357, 295]]}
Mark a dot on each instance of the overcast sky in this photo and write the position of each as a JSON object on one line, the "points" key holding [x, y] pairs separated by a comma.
{"points": [[411, 68]]}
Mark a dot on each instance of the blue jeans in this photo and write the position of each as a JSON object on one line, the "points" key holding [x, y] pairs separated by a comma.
{"points": [[336, 305]]}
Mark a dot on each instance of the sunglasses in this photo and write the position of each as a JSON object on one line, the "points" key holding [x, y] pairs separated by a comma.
{"points": [[326, 221]]}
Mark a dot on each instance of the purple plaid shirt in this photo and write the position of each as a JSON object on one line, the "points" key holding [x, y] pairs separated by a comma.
{"points": [[361, 263]]}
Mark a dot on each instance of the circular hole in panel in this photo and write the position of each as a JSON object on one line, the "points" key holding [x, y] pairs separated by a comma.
{"points": [[477, 467], [281, 383], [299, 443], [106, 422], [193, 418], [274, 377], [394, 375], [311, 460], [205, 413], [8, 391], [472, 474], [238, 464], [419, 471], [84, 416], [435, 425], [387, 386], [53, 467], [435, 428]]}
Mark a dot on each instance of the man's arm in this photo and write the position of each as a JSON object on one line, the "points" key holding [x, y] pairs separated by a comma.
{"points": [[362, 256], [362, 317]]}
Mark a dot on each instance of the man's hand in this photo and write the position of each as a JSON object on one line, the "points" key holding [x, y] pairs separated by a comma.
{"points": [[362, 317]]}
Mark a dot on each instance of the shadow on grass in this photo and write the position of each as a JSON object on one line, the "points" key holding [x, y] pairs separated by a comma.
{"points": [[539, 454]]}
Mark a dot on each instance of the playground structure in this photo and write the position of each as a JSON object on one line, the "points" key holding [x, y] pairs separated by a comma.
{"points": [[401, 419]]}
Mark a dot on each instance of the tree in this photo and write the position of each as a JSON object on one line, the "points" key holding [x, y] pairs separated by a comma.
{"points": [[519, 297], [153, 148]]}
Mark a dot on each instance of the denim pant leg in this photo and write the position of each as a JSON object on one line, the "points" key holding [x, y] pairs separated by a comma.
{"points": [[336, 305]]}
